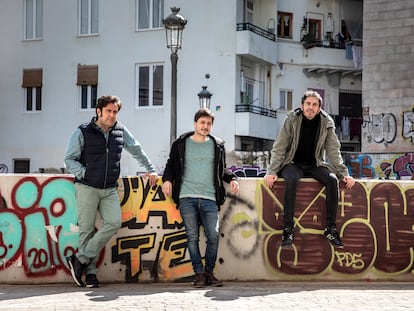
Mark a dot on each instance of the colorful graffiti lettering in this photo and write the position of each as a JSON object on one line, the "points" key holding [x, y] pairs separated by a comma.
{"points": [[139, 202], [360, 166], [38, 229], [398, 165], [402, 165], [248, 171], [375, 223], [38, 225]]}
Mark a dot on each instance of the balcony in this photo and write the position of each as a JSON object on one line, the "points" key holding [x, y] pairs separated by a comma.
{"points": [[318, 58], [255, 121], [257, 43], [257, 110]]}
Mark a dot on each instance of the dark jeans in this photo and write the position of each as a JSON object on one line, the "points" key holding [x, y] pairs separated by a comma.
{"points": [[196, 212], [292, 173]]}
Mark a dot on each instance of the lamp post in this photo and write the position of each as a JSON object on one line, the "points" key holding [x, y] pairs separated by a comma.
{"points": [[174, 25], [205, 97]]}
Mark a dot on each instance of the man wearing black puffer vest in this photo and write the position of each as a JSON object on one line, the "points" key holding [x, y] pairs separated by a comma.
{"points": [[93, 156]]}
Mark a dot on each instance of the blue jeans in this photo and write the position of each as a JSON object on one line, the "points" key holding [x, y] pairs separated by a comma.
{"points": [[196, 212]]}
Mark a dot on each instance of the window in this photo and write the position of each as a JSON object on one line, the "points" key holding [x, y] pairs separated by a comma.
{"points": [[350, 103], [284, 24], [247, 143], [150, 85], [88, 17], [247, 95], [315, 29], [89, 96], [285, 100], [253, 92], [88, 86], [32, 83], [21, 165], [33, 18], [249, 11], [149, 13]]}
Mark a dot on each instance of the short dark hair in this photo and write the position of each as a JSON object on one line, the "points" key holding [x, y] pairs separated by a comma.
{"points": [[311, 93], [103, 101], [203, 112]]}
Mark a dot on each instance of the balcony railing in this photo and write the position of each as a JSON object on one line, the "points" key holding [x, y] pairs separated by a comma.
{"points": [[257, 30], [257, 110]]}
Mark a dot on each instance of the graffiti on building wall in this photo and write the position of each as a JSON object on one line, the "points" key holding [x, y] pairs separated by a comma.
{"points": [[382, 128], [167, 247], [3, 168], [398, 166], [36, 225], [375, 223], [402, 165], [360, 165], [239, 219], [408, 125], [38, 229], [248, 171], [166, 243]]}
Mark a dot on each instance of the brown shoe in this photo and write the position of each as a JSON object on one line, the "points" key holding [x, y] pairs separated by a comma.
{"points": [[212, 280], [200, 280]]}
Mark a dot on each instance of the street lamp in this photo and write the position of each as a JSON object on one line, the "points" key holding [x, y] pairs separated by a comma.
{"points": [[174, 25], [205, 97]]}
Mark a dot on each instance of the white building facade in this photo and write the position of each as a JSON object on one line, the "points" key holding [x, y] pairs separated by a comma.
{"points": [[57, 57]]}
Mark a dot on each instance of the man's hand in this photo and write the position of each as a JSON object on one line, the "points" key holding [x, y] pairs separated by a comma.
{"points": [[270, 180], [349, 182], [153, 178], [167, 188]]}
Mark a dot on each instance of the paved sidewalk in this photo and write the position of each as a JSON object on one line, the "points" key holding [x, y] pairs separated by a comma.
{"points": [[235, 296]]}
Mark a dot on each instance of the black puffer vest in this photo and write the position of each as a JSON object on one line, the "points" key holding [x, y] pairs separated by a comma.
{"points": [[100, 157]]}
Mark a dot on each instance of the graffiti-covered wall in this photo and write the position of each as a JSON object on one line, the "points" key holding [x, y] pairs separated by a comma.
{"points": [[38, 229], [380, 165], [360, 165]]}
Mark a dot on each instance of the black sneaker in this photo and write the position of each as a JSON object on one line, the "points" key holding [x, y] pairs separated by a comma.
{"points": [[212, 280], [287, 237], [200, 280], [91, 281], [76, 269], [332, 235]]}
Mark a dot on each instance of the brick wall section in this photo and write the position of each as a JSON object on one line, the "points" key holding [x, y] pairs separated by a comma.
{"points": [[388, 79]]}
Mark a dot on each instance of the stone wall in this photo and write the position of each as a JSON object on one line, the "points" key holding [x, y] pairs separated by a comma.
{"points": [[387, 84]]}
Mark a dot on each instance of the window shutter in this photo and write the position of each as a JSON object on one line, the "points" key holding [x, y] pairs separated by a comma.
{"points": [[32, 77], [87, 75]]}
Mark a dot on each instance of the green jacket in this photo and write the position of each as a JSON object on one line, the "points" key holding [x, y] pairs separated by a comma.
{"points": [[327, 152]]}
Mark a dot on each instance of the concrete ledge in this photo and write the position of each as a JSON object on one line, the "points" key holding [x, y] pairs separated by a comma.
{"points": [[38, 229]]}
